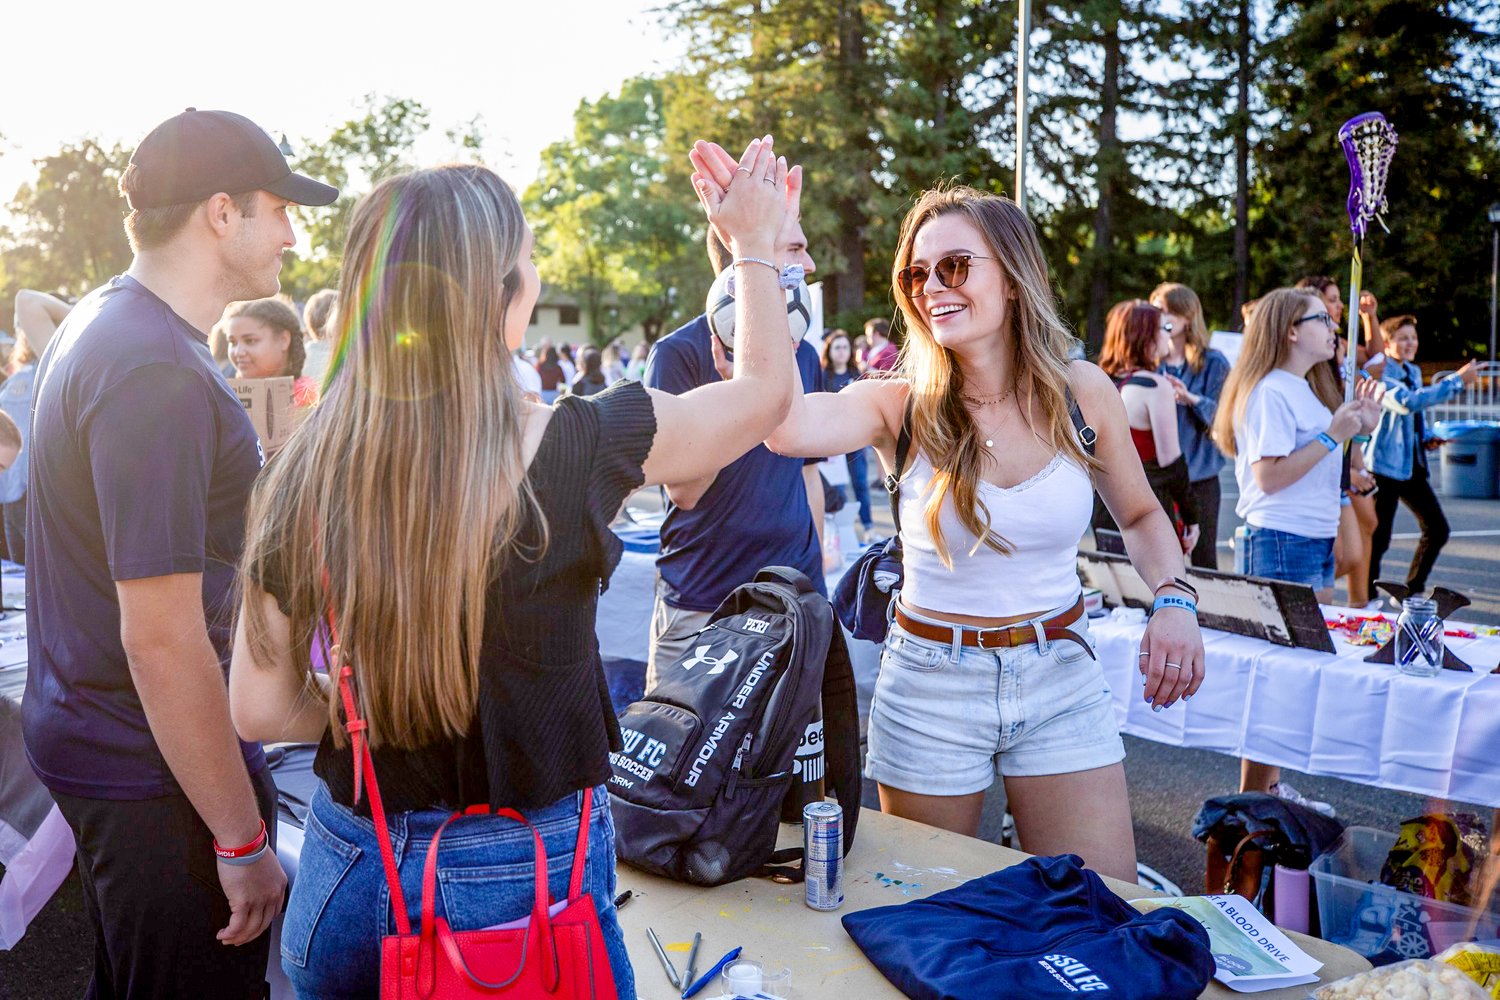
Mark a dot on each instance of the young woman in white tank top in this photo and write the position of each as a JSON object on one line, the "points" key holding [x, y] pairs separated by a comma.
{"points": [[995, 495]]}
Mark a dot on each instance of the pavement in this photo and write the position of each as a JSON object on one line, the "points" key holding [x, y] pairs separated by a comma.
{"points": [[1167, 784]]}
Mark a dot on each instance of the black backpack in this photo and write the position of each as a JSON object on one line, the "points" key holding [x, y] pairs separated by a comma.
{"points": [[711, 752]]}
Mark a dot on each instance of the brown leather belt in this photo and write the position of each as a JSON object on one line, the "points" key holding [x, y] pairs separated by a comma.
{"points": [[999, 637]]}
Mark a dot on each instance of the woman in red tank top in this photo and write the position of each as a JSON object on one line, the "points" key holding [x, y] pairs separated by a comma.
{"points": [[1136, 336]]}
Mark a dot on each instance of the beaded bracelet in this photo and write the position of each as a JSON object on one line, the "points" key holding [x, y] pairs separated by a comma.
{"points": [[1173, 601]]}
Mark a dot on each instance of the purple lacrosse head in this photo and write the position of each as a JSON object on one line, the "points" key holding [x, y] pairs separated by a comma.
{"points": [[1369, 143]]}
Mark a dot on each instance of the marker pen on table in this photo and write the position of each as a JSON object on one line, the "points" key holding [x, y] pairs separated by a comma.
{"points": [[711, 973]]}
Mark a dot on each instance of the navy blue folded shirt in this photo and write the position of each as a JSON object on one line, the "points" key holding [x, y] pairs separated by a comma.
{"points": [[1045, 928]]}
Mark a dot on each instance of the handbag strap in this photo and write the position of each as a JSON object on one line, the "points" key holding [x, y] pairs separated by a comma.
{"points": [[893, 480], [435, 929], [1246, 842], [355, 725]]}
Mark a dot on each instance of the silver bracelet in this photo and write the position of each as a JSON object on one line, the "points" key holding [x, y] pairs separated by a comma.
{"points": [[755, 260], [248, 859]]}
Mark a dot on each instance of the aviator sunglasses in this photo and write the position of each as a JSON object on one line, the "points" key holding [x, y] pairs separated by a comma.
{"points": [[952, 271]]}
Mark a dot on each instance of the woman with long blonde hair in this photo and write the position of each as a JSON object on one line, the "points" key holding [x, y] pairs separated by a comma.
{"points": [[988, 669], [458, 535], [1282, 419], [1196, 373]]}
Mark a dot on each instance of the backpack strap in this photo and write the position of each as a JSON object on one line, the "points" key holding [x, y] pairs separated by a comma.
{"points": [[795, 579], [840, 753], [893, 480], [1087, 436]]}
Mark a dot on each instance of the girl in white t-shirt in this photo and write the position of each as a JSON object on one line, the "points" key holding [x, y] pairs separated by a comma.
{"points": [[1281, 421]]}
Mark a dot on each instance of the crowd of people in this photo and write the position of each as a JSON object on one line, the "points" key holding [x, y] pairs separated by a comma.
{"points": [[436, 534]]}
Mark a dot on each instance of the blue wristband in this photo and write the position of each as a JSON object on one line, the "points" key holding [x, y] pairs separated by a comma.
{"points": [[1327, 442], [1173, 601]]}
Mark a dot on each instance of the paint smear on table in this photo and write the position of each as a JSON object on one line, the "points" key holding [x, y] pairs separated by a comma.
{"points": [[912, 871], [679, 946], [896, 883]]}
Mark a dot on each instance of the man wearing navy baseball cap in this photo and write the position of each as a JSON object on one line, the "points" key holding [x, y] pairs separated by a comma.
{"points": [[141, 465]]}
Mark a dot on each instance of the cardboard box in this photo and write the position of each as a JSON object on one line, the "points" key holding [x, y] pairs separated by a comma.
{"points": [[269, 402]]}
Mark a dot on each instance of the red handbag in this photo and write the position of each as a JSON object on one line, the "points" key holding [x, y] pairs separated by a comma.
{"points": [[554, 955]]}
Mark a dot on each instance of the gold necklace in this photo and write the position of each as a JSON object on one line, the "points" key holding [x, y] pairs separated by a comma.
{"points": [[987, 401]]}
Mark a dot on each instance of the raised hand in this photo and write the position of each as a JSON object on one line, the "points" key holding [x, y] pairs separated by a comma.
{"points": [[715, 171], [1367, 396]]}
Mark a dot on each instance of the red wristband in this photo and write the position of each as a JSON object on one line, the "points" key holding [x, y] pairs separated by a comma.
{"points": [[247, 849]]}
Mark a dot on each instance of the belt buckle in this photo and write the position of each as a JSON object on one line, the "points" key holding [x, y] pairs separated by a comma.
{"points": [[1005, 641]]}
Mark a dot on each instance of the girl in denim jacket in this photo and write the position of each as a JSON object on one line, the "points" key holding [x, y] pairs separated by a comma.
{"points": [[1397, 453]]}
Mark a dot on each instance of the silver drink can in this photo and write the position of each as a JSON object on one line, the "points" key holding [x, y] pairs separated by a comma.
{"points": [[823, 854]]}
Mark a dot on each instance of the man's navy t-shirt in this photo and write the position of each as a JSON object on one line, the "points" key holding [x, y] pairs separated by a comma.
{"points": [[142, 461], [754, 515]]}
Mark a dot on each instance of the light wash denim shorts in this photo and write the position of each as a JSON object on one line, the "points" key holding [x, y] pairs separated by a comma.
{"points": [[945, 719], [340, 904]]}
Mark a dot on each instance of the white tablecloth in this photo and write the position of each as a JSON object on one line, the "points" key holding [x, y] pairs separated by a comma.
{"points": [[1334, 715], [36, 846]]}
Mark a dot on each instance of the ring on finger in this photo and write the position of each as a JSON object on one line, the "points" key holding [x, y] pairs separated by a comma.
{"points": [[1143, 654], [769, 180], [1174, 666], [742, 170]]}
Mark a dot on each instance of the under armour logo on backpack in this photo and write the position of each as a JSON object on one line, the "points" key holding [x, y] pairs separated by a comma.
{"points": [[701, 656]]}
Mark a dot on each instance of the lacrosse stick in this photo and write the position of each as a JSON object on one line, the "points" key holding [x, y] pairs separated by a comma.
{"points": [[1369, 143]]}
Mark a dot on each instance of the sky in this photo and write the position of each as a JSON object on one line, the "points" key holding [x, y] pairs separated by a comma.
{"points": [[114, 70]]}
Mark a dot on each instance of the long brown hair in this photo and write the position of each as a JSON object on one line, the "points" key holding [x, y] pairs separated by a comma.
{"points": [[1265, 348], [407, 483], [1180, 300], [942, 427], [1131, 332]]}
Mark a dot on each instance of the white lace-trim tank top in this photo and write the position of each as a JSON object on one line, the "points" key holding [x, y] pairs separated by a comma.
{"points": [[1042, 518]]}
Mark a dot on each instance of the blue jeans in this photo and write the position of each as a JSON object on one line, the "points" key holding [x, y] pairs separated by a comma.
{"points": [[859, 475], [1281, 555], [340, 904]]}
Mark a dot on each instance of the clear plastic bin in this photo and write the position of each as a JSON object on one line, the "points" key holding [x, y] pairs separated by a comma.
{"points": [[1384, 924]]}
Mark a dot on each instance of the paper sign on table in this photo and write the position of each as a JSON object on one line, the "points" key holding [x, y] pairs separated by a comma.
{"points": [[1250, 954]]}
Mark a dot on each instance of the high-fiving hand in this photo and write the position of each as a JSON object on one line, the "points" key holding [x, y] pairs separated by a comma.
{"points": [[747, 200]]}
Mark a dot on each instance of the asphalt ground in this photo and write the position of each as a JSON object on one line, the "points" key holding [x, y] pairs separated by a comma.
{"points": [[1167, 784]]}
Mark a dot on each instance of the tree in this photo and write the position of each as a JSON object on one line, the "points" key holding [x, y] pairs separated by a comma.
{"points": [[67, 233], [617, 224], [359, 153], [1431, 69], [1092, 61], [815, 73]]}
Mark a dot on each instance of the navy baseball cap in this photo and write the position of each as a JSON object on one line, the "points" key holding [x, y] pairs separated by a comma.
{"points": [[200, 153]]}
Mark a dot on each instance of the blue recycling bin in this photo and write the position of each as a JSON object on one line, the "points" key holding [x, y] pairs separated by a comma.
{"points": [[1470, 457]]}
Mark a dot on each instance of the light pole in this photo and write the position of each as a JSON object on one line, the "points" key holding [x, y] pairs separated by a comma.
{"points": [[1494, 271], [1023, 87]]}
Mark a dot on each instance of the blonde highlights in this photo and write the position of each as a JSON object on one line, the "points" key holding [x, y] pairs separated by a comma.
{"points": [[942, 428], [407, 483], [1180, 300], [1265, 347]]}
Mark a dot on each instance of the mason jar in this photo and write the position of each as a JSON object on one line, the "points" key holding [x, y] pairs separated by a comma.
{"points": [[1419, 638]]}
